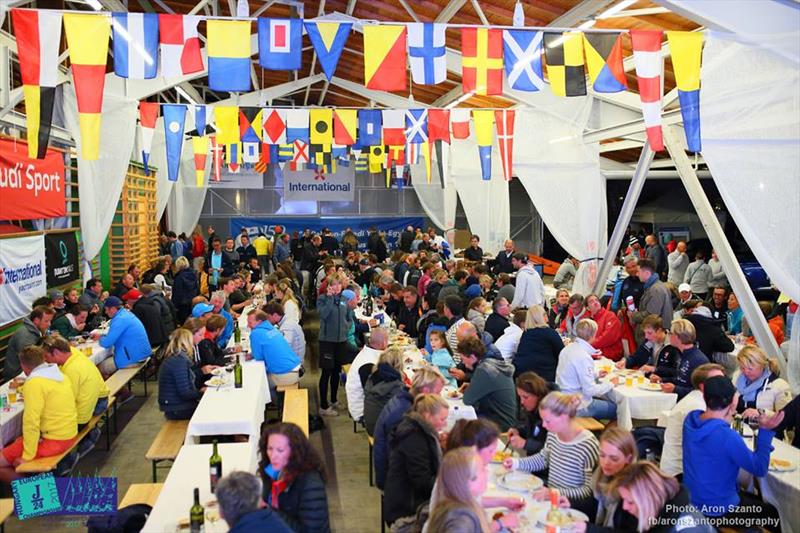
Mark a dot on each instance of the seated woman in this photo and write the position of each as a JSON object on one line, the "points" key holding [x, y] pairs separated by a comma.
{"points": [[202, 370], [293, 476], [558, 311], [759, 384], [384, 382], [570, 453], [414, 458], [476, 313], [177, 393], [529, 434], [538, 347], [735, 314]]}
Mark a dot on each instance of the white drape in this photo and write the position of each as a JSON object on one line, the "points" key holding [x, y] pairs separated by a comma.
{"points": [[439, 204], [186, 201], [562, 176], [485, 202], [100, 182]]}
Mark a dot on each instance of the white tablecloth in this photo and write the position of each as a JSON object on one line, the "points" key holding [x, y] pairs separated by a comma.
{"points": [[191, 470], [230, 411], [782, 489]]}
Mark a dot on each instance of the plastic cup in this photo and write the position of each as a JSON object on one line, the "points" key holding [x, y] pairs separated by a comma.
{"points": [[629, 381], [640, 380], [12, 396]]}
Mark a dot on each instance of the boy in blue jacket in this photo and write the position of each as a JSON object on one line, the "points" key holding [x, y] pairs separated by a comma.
{"points": [[713, 454]]}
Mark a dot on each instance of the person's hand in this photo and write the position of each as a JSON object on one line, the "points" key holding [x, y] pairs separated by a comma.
{"points": [[423, 351], [95, 309], [646, 369], [17, 382], [458, 374], [620, 364], [509, 520], [94, 335], [771, 421], [401, 327], [463, 387], [541, 494], [514, 503], [248, 303], [614, 381], [602, 374], [372, 323], [751, 413], [203, 389], [508, 463], [563, 502], [655, 378], [516, 441], [668, 387], [206, 369]]}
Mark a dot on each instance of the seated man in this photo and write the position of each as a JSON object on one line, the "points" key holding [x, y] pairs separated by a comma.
{"points": [[239, 497], [49, 421], [609, 329], [575, 374], [682, 337], [491, 390], [268, 345], [408, 314], [30, 332], [126, 335], [655, 354], [218, 299], [291, 330], [498, 321], [361, 368], [508, 342]]}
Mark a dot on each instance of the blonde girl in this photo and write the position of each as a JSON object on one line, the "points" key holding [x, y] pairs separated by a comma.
{"points": [[285, 294]]}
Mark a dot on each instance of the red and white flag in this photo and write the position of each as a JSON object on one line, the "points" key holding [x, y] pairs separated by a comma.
{"points": [[459, 119], [648, 60], [504, 122], [300, 156], [216, 157], [394, 127], [180, 45], [148, 114]]}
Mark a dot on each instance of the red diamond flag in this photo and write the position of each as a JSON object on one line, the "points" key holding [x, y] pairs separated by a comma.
{"points": [[275, 126]]}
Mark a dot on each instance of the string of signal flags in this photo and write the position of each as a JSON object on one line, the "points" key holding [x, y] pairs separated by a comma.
{"points": [[147, 45]]}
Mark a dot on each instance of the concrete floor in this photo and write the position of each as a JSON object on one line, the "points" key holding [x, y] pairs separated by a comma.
{"points": [[354, 505]]}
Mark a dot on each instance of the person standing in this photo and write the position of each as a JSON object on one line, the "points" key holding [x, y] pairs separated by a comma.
{"points": [[718, 277], [656, 298], [656, 253], [335, 319], [263, 248], [529, 290], [677, 262], [698, 275]]}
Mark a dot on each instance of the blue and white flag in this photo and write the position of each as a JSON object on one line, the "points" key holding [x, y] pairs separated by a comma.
{"points": [[416, 126], [200, 119], [280, 43], [426, 53], [174, 120], [370, 127], [297, 125], [135, 45], [522, 59]]}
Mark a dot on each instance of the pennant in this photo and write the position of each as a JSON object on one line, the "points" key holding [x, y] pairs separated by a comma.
{"points": [[328, 39], [460, 123], [377, 157], [416, 125], [148, 114], [395, 155], [321, 126], [394, 127], [200, 148], [385, 57], [280, 43], [362, 163], [263, 159], [443, 162], [686, 49], [228, 55], [522, 59], [564, 55], [275, 126], [87, 39], [135, 45], [216, 157], [439, 125], [604, 60], [484, 120], [250, 127], [233, 154], [174, 120], [412, 153], [344, 126], [426, 53], [297, 125], [227, 121], [200, 119], [504, 121], [482, 61], [180, 45], [38, 38], [648, 60], [250, 153], [370, 127]]}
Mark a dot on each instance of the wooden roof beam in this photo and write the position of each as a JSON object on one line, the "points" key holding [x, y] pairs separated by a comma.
{"points": [[449, 11]]}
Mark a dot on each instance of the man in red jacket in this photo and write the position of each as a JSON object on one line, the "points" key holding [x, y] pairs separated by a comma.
{"points": [[609, 329]]}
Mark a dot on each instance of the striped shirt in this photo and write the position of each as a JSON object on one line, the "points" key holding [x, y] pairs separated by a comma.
{"points": [[570, 464]]}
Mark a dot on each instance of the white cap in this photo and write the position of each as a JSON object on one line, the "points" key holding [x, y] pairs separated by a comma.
{"points": [[684, 287]]}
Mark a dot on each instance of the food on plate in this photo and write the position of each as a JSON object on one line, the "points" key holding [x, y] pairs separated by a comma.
{"points": [[650, 386], [215, 382], [500, 455], [780, 464], [454, 394]]}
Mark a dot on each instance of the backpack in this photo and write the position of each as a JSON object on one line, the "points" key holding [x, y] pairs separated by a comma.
{"points": [[130, 519]]}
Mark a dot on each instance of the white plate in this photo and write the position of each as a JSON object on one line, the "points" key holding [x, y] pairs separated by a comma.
{"points": [[519, 482], [652, 387], [215, 382], [573, 516], [218, 371], [782, 468]]}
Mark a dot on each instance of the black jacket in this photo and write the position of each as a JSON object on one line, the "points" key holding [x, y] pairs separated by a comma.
{"points": [[246, 253], [666, 359], [406, 238], [414, 458], [377, 246], [408, 317], [329, 244], [304, 504], [176, 386], [495, 326], [710, 335], [148, 311], [168, 312], [266, 519], [531, 429], [211, 354], [502, 263], [310, 258], [538, 351], [473, 254], [384, 383], [119, 290], [184, 289]]}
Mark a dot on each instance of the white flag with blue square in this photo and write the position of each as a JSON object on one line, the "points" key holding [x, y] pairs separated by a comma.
{"points": [[522, 59], [426, 53]]}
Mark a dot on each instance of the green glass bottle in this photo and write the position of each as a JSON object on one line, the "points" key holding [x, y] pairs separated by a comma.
{"points": [[237, 373], [197, 515], [237, 333], [215, 467]]}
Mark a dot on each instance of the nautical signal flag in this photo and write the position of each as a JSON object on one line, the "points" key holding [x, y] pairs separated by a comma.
{"points": [[200, 148], [482, 61], [227, 120], [648, 61], [504, 120], [686, 49], [250, 127], [385, 57], [38, 38], [87, 39], [275, 126], [460, 122], [328, 40], [200, 119], [280, 43], [394, 126], [345, 123], [377, 157], [321, 126], [604, 60], [362, 165], [370, 127], [180, 45], [427, 53], [439, 125], [174, 120], [135, 45], [484, 120], [297, 125], [416, 126], [522, 59], [564, 56], [148, 114], [229, 55], [300, 156], [233, 156], [216, 157]]}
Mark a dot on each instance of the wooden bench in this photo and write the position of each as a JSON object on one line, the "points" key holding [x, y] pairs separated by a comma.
{"points": [[593, 425], [371, 442], [284, 388], [122, 377], [146, 493], [295, 408], [167, 444], [6, 510]]}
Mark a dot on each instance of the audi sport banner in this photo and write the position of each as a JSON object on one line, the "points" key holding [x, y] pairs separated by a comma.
{"points": [[30, 188], [62, 258], [22, 276]]}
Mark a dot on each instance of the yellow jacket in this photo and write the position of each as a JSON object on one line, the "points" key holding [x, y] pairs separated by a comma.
{"points": [[49, 409], [262, 245], [87, 384]]}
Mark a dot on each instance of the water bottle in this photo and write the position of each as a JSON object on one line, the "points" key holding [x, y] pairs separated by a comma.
{"points": [[630, 304]]}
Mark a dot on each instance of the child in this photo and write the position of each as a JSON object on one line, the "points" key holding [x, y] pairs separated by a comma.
{"points": [[441, 356]]}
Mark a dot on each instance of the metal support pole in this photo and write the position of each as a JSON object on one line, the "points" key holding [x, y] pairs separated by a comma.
{"points": [[631, 199], [5, 76], [758, 323]]}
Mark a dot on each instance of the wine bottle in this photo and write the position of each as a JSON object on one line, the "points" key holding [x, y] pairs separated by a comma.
{"points": [[197, 514], [215, 467], [237, 373], [237, 333]]}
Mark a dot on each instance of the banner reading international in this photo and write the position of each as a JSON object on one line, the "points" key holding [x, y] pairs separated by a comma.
{"points": [[30, 188], [315, 185], [61, 251], [22, 276]]}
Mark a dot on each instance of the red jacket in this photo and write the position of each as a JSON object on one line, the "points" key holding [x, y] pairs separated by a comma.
{"points": [[198, 246], [609, 334]]}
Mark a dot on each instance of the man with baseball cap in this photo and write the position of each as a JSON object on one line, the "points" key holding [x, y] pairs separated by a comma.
{"points": [[58, 305], [126, 335]]}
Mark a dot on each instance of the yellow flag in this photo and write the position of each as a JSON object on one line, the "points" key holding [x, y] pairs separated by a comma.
{"points": [[227, 120], [321, 121]]}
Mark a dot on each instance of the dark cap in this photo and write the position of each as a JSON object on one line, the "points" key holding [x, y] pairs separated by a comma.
{"points": [[364, 262], [718, 392], [112, 301]]}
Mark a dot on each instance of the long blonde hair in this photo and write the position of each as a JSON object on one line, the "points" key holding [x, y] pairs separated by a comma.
{"points": [[623, 441], [180, 341], [536, 318], [649, 487], [288, 293], [458, 468], [561, 404]]}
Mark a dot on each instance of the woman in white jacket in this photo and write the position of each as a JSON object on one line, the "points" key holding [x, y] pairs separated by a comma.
{"points": [[759, 384]]}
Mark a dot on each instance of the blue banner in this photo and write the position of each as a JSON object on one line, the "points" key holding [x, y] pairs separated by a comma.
{"points": [[392, 227]]}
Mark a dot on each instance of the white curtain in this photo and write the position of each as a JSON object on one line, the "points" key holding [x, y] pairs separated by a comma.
{"points": [[485, 202], [439, 204], [186, 201], [100, 182]]}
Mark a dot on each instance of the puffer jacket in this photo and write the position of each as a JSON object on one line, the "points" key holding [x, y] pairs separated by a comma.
{"points": [[303, 505], [176, 384], [384, 383], [391, 415], [335, 318]]}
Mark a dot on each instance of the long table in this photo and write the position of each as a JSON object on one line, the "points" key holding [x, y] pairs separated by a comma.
{"points": [[782, 488]]}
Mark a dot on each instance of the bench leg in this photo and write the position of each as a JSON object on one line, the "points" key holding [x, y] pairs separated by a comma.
{"points": [[371, 484], [116, 428], [107, 423], [155, 476], [144, 376], [383, 523]]}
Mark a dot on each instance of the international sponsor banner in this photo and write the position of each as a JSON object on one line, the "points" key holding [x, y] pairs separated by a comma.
{"points": [[244, 178], [392, 227], [30, 188], [61, 251], [319, 186], [22, 276]]}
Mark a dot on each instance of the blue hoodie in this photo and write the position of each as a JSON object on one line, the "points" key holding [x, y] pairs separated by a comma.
{"points": [[269, 345], [227, 333], [128, 337], [713, 453]]}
